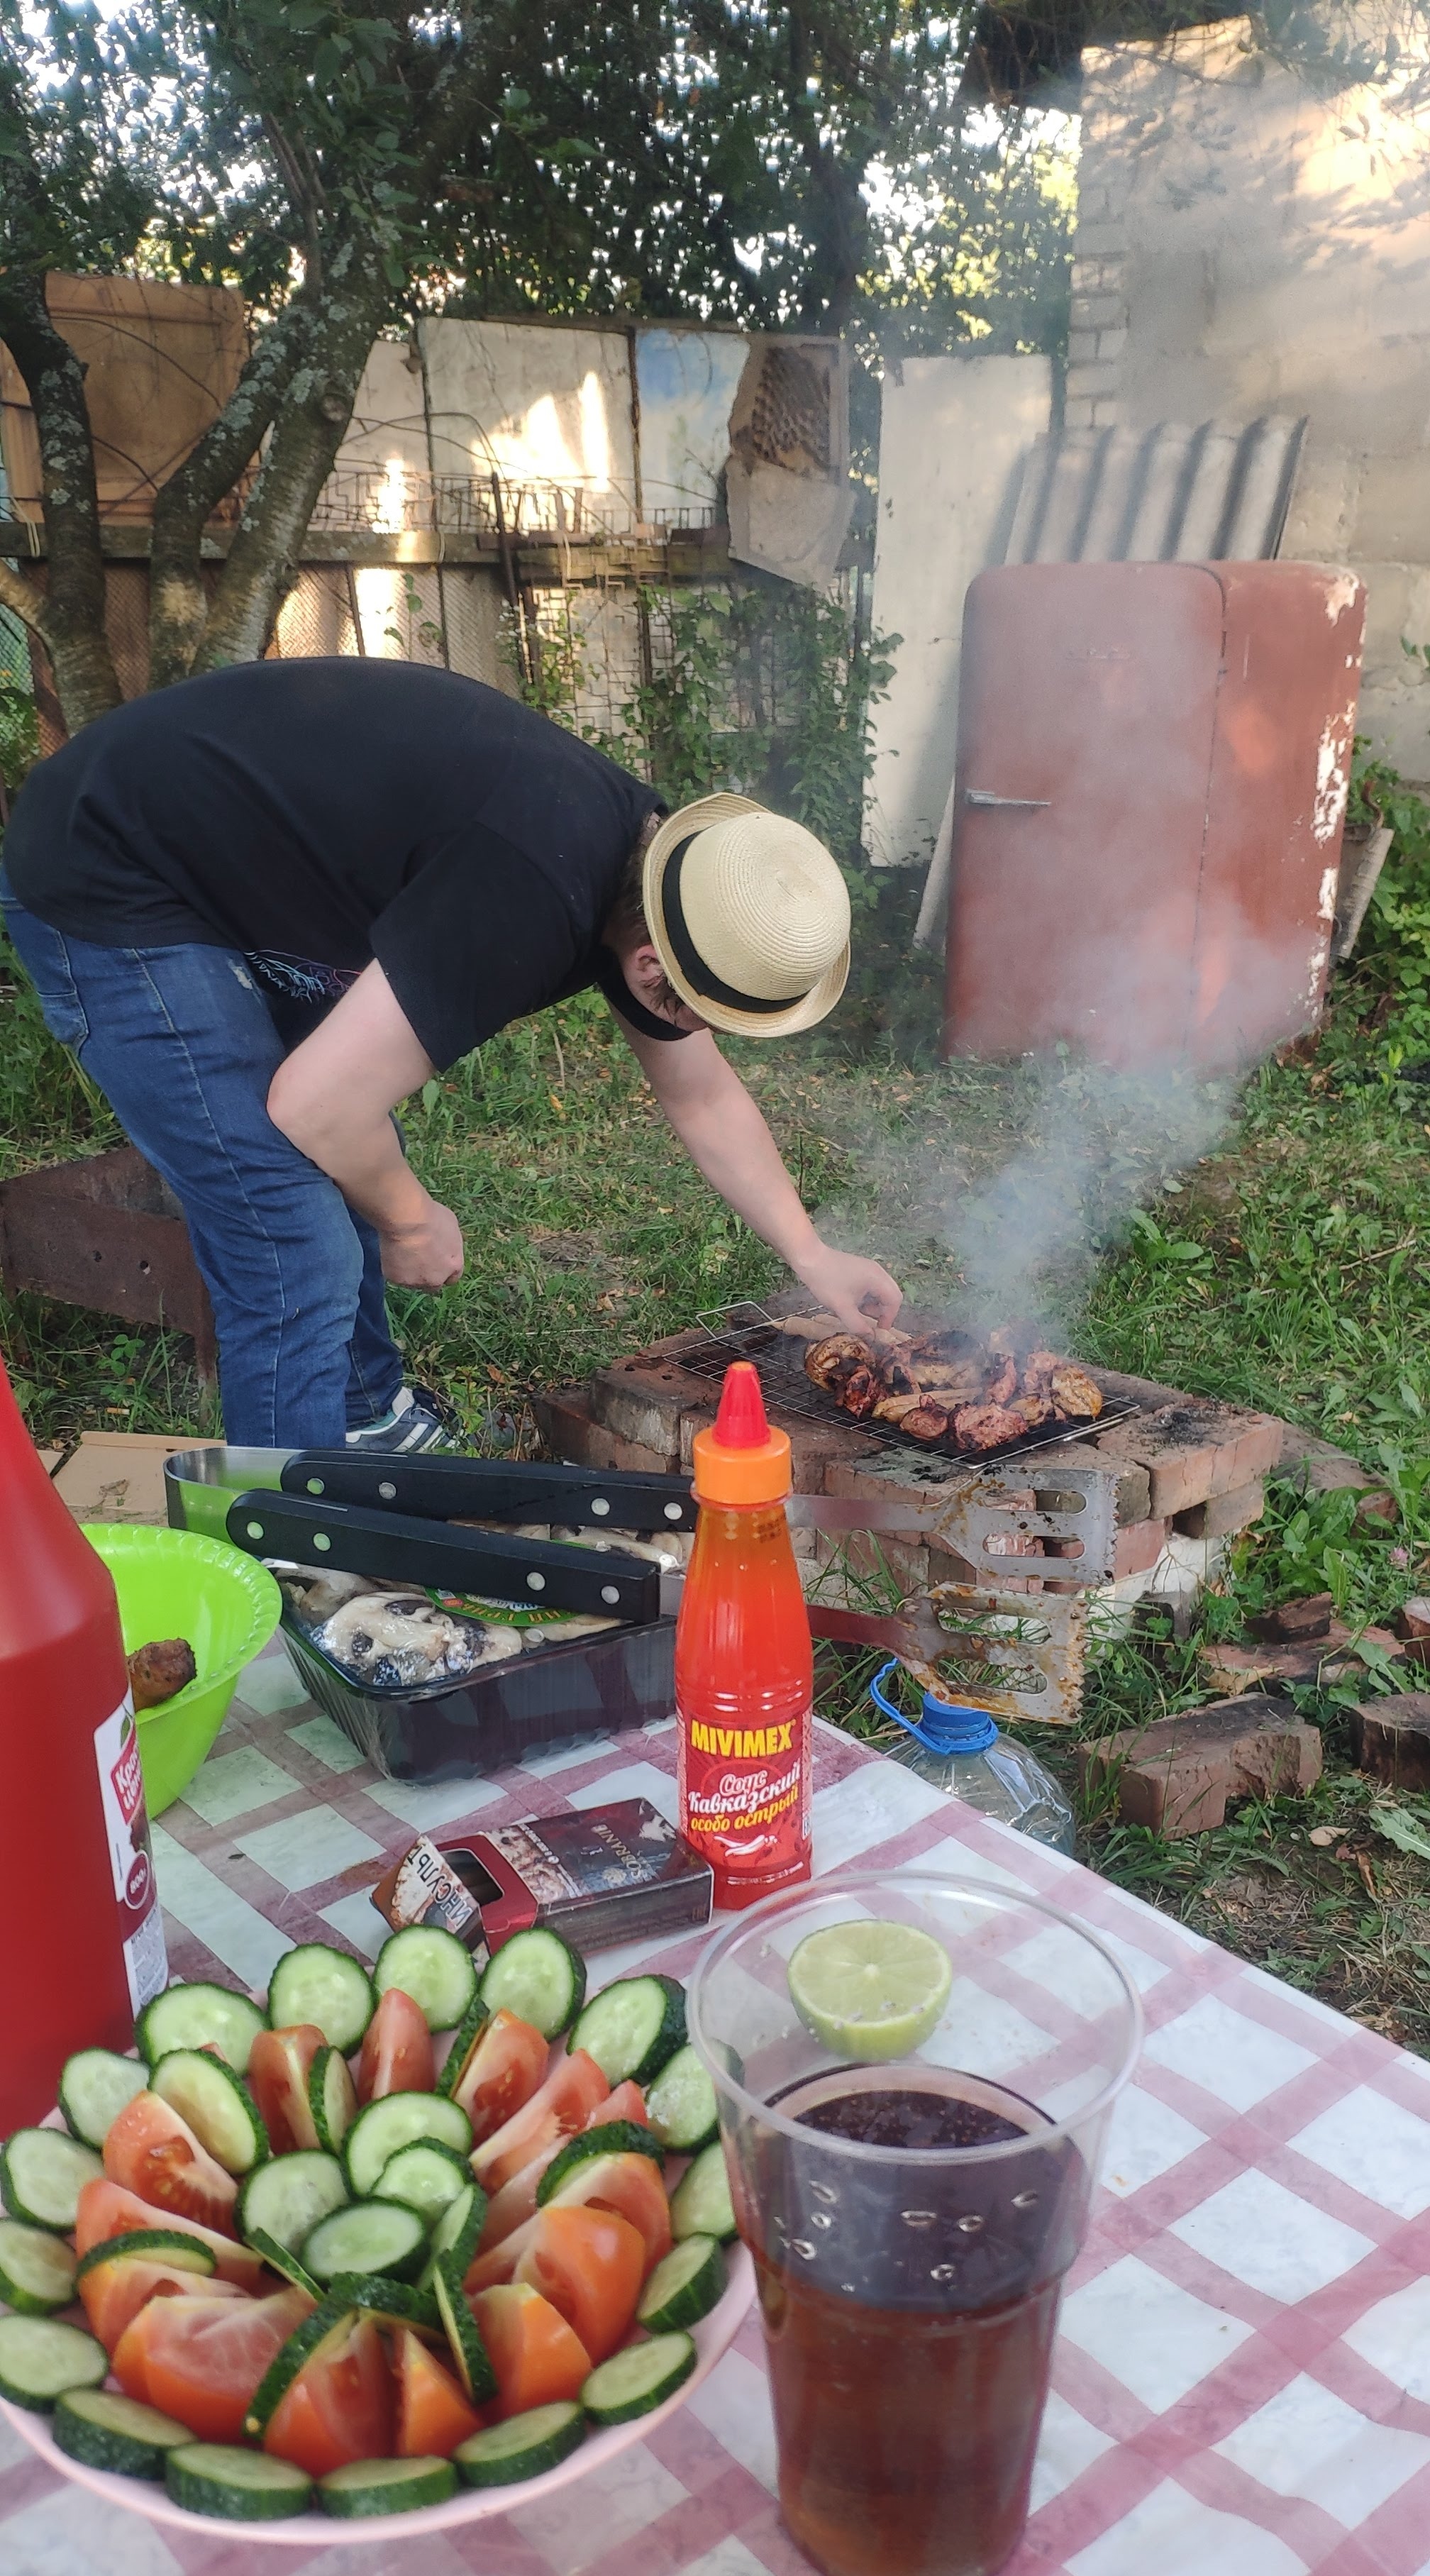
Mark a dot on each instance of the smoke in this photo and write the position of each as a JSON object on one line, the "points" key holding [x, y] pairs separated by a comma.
{"points": [[1101, 1142]]}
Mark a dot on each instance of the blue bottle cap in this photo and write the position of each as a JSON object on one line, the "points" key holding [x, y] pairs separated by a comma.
{"points": [[945, 1725]]}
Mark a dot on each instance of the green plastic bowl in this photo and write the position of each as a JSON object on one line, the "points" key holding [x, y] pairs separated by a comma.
{"points": [[173, 1584]]}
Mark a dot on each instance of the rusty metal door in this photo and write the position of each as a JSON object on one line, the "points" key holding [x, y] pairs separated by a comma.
{"points": [[1136, 863]]}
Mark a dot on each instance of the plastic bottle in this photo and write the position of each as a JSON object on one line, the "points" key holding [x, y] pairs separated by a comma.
{"points": [[83, 1937], [744, 1665], [960, 1750]]}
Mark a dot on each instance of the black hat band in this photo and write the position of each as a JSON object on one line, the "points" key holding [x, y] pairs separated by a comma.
{"points": [[688, 958]]}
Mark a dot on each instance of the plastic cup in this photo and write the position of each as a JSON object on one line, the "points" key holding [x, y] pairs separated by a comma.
{"points": [[909, 2285]]}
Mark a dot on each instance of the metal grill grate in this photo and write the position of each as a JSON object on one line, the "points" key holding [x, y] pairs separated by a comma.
{"points": [[747, 1331]]}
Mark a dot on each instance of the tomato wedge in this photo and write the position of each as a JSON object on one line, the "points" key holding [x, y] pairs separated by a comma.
{"points": [[278, 2070], [626, 2103], [433, 2416], [151, 2151], [396, 2050], [515, 2203], [537, 2358], [106, 2209], [499, 2262], [113, 2293], [562, 2105], [505, 2065], [339, 2408], [201, 2359], [590, 2265], [631, 2186]]}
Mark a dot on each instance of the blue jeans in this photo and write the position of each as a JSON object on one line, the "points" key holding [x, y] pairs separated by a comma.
{"points": [[183, 1045]]}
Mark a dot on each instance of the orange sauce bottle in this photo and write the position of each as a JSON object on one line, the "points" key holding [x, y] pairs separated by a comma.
{"points": [[744, 1667]]}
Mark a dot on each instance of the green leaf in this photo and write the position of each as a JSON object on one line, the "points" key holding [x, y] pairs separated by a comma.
{"points": [[431, 1094], [1395, 1826]]}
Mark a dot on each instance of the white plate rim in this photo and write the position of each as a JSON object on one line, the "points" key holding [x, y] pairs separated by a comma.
{"points": [[713, 2338]]}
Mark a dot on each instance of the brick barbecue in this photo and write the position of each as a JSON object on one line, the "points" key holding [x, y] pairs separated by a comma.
{"points": [[1168, 1463]]}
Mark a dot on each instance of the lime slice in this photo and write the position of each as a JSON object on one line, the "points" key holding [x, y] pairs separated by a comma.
{"points": [[870, 1990]]}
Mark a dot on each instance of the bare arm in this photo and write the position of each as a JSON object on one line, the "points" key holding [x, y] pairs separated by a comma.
{"points": [[333, 1098], [725, 1135]]}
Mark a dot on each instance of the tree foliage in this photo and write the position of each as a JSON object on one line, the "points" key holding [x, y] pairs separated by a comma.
{"points": [[346, 163]]}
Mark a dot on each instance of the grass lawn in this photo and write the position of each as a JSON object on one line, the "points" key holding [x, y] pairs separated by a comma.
{"points": [[1285, 1268]]}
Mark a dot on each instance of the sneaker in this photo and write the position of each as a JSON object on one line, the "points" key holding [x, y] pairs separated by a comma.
{"points": [[418, 1420]]}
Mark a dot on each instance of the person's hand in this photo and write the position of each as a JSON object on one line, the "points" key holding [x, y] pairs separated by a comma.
{"points": [[858, 1291], [426, 1253]]}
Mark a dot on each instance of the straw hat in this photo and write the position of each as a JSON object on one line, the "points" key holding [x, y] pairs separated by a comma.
{"points": [[749, 916]]}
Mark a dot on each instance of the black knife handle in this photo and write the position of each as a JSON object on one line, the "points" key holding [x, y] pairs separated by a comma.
{"points": [[437, 1487], [606, 1584]]}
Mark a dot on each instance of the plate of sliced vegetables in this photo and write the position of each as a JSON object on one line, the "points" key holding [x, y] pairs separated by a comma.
{"points": [[400, 2246]]}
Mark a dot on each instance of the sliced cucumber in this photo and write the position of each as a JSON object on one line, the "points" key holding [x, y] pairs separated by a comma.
{"points": [[539, 1977], [286, 2198], [639, 2379], [107, 2431], [37, 2270], [434, 1968], [324, 2330], [393, 2303], [374, 2236], [327, 1987], [685, 2287], [40, 2360], [700, 2204], [458, 2231], [468, 2029], [200, 2016], [397, 2120], [217, 2105], [240, 2486], [95, 2085], [633, 2028], [427, 2177], [681, 2103], [474, 2365], [386, 2486], [523, 2447], [285, 2263], [42, 2173], [616, 2138], [166, 2245], [332, 2098]]}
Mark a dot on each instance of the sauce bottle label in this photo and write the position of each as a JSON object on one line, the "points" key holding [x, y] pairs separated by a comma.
{"points": [[744, 1791], [126, 1824]]}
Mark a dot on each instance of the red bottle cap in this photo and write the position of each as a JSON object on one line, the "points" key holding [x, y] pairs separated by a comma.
{"points": [[740, 1459]]}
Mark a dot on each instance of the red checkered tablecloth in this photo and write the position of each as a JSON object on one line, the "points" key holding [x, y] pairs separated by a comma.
{"points": [[1242, 2385]]}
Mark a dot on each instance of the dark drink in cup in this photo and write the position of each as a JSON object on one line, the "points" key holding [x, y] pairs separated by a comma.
{"points": [[912, 2222], [910, 2332]]}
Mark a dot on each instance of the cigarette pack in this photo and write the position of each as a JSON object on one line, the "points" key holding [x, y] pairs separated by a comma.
{"points": [[604, 1875]]}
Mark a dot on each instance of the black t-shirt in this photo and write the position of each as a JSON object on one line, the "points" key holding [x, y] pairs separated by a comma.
{"points": [[319, 814]]}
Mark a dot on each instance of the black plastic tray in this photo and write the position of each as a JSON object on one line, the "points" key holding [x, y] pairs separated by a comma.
{"points": [[534, 1703]]}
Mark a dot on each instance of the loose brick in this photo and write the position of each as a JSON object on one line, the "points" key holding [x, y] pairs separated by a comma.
{"points": [[1224, 1514], [1134, 1486], [1390, 1738], [1413, 1618], [643, 1400], [1179, 1775], [1323, 1659], [1296, 1623]]}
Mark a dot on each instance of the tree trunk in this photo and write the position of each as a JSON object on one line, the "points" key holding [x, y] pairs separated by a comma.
{"points": [[178, 595], [73, 611], [308, 430]]}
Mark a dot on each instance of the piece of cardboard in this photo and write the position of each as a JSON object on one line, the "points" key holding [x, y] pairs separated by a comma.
{"points": [[119, 1475]]}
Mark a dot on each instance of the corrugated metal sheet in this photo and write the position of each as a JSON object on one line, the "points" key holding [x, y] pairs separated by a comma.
{"points": [[1215, 493]]}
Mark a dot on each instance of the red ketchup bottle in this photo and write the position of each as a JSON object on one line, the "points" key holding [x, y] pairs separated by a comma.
{"points": [[86, 1938], [744, 1666]]}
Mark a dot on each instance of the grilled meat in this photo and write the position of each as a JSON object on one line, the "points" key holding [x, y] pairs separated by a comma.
{"points": [[859, 1393], [926, 1422], [160, 1670], [830, 1362], [986, 1426], [1003, 1385], [983, 1390], [1073, 1392]]}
